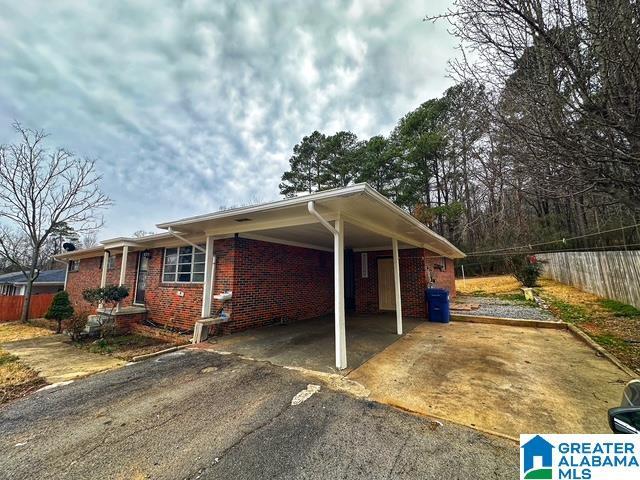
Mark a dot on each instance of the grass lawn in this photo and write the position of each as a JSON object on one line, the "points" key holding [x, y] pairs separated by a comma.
{"points": [[16, 379], [124, 346], [612, 324]]}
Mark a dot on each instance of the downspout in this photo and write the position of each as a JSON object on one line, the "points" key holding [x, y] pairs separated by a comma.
{"points": [[66, 270], [312, 210], [177, 235]]}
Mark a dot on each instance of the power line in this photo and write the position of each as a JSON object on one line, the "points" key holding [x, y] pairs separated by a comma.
{"points": [[560, 240], [530, 252]]}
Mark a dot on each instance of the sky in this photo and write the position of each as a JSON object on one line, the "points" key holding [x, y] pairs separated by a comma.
{"points": [[189, 106]]}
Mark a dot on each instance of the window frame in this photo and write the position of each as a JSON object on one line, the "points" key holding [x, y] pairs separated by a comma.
{"points": [[191, 272], [77, 265]]}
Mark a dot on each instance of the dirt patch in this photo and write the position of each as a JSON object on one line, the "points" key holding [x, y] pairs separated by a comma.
{"points": [[498, 284], [16, 379], [13, 331], [503, 379], [124, 346]]}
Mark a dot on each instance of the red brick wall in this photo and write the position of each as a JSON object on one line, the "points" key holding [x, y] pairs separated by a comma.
{"points": [[274, 281], [87, 276], [413, 280]]}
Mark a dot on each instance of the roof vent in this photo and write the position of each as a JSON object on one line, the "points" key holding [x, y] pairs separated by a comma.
{"points": [[243, 219]]}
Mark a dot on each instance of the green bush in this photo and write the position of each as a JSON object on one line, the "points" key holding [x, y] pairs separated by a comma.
{"points": [[60, 309], [525, 272]]}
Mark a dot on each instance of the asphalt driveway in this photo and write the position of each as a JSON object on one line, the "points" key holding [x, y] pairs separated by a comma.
{"points": [[197, 414]]}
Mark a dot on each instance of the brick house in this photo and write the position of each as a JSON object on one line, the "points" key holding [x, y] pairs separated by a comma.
{"points": [[342, 250]]}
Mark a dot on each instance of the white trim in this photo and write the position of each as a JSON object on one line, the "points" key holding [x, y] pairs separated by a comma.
{"points": [[396, 280], [180, 237], [264, 238], [264, 225]]}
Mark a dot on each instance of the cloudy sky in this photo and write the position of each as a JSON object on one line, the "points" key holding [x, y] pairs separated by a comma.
{"points": [[191, 105]]}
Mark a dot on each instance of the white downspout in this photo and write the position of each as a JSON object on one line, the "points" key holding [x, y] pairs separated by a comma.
{"points": [[177, 235], [338, 273], [66, 270]]}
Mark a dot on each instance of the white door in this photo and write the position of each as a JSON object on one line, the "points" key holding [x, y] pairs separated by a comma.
{"points": [[386, 285]]}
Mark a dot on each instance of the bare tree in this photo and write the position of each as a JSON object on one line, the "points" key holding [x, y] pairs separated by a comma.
{"points": [[39, 191]]}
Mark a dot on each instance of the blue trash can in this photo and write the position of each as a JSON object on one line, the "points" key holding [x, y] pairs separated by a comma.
{"points": [[437, 304]]}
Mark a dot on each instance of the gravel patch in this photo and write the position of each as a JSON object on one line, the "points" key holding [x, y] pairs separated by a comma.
{"points": [[502, 308]]}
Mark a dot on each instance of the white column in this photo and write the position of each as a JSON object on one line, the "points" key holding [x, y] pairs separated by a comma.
{"points": [[103, 277], [123, 264], [396, 280], [105, 265], [338, 271], [209, 268]]}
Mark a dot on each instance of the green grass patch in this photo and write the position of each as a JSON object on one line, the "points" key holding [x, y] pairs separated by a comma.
{"points": [[620, 309], [610, 341], [568, 312], [7, 358], [119, 344], [479, 293]]}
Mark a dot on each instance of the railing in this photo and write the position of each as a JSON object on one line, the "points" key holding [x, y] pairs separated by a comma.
{"points": [[11, 306]]}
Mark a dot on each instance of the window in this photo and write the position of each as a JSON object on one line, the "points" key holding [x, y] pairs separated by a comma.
{"points": [[364, 265], [183, 265], [74, 265]]}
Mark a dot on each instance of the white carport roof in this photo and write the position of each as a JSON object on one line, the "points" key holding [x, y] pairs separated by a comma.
{"points": [[371, 220]]}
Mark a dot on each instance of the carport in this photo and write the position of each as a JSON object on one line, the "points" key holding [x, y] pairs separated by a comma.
{"points": [[378, 237]]}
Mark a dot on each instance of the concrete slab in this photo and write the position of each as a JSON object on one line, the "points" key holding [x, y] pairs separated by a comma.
{"points": [[55, 359], [309, 344], [502, 379]]}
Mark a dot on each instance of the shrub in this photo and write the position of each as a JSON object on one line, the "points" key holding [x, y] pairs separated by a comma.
{"points": [[60, 309], [526, 272], [108, 296], [76, 325]]}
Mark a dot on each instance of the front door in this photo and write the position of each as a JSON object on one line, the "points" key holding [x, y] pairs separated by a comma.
{"points": [[141, 282], [386, 285]]}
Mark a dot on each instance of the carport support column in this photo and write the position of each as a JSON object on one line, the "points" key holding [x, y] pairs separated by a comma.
{"points": [[338, 271], [208, 278], [396, 280]]}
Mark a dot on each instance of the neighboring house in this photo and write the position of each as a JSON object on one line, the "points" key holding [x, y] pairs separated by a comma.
{"points": [[293, 259], [48, 281]]}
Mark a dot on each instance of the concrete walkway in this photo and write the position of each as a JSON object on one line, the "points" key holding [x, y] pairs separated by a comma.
{"points": [[502, 379], [55, 359]]}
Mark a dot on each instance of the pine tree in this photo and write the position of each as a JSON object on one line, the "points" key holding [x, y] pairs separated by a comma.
{"points": [[60, 309]]}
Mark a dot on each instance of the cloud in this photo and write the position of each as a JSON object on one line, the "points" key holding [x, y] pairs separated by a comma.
{"points": [[190, 105]]}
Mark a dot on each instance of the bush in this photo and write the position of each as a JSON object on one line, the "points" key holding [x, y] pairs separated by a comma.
{"points": [[108, 296], [60, 309], [526, 272], [76, 325]]}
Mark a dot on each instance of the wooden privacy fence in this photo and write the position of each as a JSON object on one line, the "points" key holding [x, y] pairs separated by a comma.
{"points": [[11, 306], [614, 275]]}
